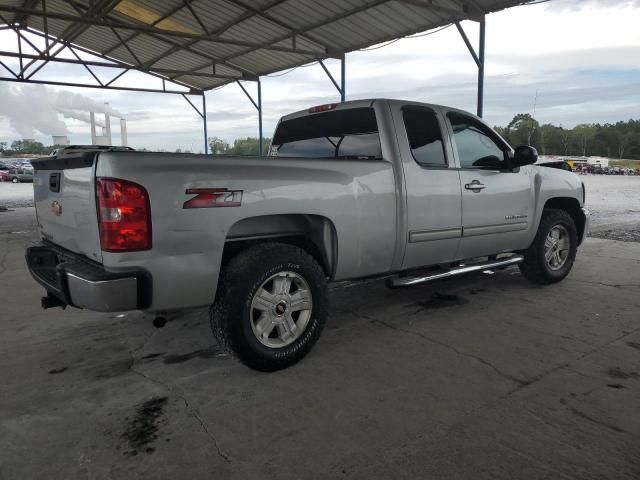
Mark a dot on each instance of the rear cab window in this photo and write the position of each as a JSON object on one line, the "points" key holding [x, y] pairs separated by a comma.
{"points": [[350, 134], [424, 136]]}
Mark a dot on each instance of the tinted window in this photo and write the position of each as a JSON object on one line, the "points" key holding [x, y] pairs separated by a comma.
{"points": [[425, 137], [350, 134], [474, 143]]}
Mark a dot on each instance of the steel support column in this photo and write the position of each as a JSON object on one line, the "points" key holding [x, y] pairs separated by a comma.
{"points": [[258, 106], [478, 58], [259, 118], [481, 68], [341, 88], [203, 116], [343, 91], [204, 123]]}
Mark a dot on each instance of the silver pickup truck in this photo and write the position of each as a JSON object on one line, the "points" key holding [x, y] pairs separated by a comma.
{"points": [[349, 191]]}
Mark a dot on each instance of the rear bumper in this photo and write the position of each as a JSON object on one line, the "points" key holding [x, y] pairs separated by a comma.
{"points": [[79, 282]]}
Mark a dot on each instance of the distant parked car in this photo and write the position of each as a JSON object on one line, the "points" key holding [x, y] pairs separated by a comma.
{"points": [[21, 175], [4, 176]]}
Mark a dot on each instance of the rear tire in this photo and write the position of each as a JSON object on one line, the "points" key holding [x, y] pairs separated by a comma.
{"points": [[271, 306], [550, 257]]}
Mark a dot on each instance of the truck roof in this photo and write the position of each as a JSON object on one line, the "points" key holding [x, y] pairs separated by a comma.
{"points": [[366, 102]]}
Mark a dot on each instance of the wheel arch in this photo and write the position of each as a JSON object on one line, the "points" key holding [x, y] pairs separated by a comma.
{"points": [[572, 207], [315, 234]]}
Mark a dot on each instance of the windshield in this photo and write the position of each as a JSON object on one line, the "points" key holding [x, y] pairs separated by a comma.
{"points": [[347, 134]]}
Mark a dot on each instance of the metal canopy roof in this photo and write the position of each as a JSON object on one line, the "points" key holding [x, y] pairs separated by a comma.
{"points": [[204, 44]]}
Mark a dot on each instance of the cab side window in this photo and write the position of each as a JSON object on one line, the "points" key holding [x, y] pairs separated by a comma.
{"points": [[425, 137], [475, 143]]}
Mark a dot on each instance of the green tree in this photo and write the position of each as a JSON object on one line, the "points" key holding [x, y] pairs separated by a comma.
{"points": [[248, 146], [584, 135], [218, 145], [524, 130]]}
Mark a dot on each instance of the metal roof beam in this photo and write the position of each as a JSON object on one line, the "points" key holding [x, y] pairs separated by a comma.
{"points": [[459, 11], [193, 91], [187, 4], [334, 18], [264, 14], [82, 62], [27, 4], [71, 32], [245, 73], [160, 19], [154, 31], [177, 46], [113, 62]]}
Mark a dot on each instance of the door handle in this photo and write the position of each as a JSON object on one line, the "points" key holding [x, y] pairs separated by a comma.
{"points": [[475, 185]]}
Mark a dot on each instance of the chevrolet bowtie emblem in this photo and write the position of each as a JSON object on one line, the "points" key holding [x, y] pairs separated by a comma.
{"points": [[56, 208]]}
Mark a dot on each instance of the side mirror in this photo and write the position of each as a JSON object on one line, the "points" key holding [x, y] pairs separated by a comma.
{"points": [[524, 155]]}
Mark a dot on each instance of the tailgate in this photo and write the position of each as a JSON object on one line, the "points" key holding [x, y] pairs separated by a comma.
{"points": [[64, 194]]}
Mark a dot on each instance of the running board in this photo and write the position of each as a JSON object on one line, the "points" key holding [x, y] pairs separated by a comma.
{"points": [[453, 271]]}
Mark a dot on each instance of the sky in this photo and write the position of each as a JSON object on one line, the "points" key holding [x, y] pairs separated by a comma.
{"points": [[574, 61]]}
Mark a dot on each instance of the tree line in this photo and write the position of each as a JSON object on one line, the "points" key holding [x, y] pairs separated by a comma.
{"points": [[25, 147], [240, 146], [613, 140]]}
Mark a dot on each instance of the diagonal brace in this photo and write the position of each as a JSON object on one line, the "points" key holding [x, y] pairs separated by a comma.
{"points": [[194, 107], [333, 80], [468, 44]]}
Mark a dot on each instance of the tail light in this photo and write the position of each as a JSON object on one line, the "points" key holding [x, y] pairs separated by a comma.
{"points": [[124, 215]]}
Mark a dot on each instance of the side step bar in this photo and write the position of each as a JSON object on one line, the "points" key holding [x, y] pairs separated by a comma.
{"points": [[462, 269]]}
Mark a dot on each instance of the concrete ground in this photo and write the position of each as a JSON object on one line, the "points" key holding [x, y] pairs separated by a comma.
{"points": [[482, 377]]}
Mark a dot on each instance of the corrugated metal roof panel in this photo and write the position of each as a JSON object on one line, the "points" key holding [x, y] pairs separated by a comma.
{"points": [[184, 61], [217, 50], [98, 39], [254, 36]]}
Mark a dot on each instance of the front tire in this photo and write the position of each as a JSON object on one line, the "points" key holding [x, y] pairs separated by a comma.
{"points": [[15, 180], [271, 306], [550, 257]]}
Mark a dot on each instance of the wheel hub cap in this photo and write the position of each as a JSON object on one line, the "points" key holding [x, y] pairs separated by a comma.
{"points": [[281, 309], [556, 247]]}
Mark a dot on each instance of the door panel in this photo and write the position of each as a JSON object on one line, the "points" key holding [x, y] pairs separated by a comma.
{"points": [[434, 211], [497, 204], [497, 217]]}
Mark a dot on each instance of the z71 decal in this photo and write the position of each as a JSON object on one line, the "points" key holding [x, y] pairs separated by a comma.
{"points": [[213, 198]]}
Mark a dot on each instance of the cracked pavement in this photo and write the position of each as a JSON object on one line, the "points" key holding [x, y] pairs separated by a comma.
{"points": [[486, 376]]}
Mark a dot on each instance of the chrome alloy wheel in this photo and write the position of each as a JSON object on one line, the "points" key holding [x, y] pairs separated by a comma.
{"points": [[281, 309], [556, 247]]}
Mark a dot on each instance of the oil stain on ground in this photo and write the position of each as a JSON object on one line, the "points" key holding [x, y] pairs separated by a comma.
{"points": [[142, 429], [55, 371], [211, 352], [635, 345], [441, 300], [617, 372]]}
